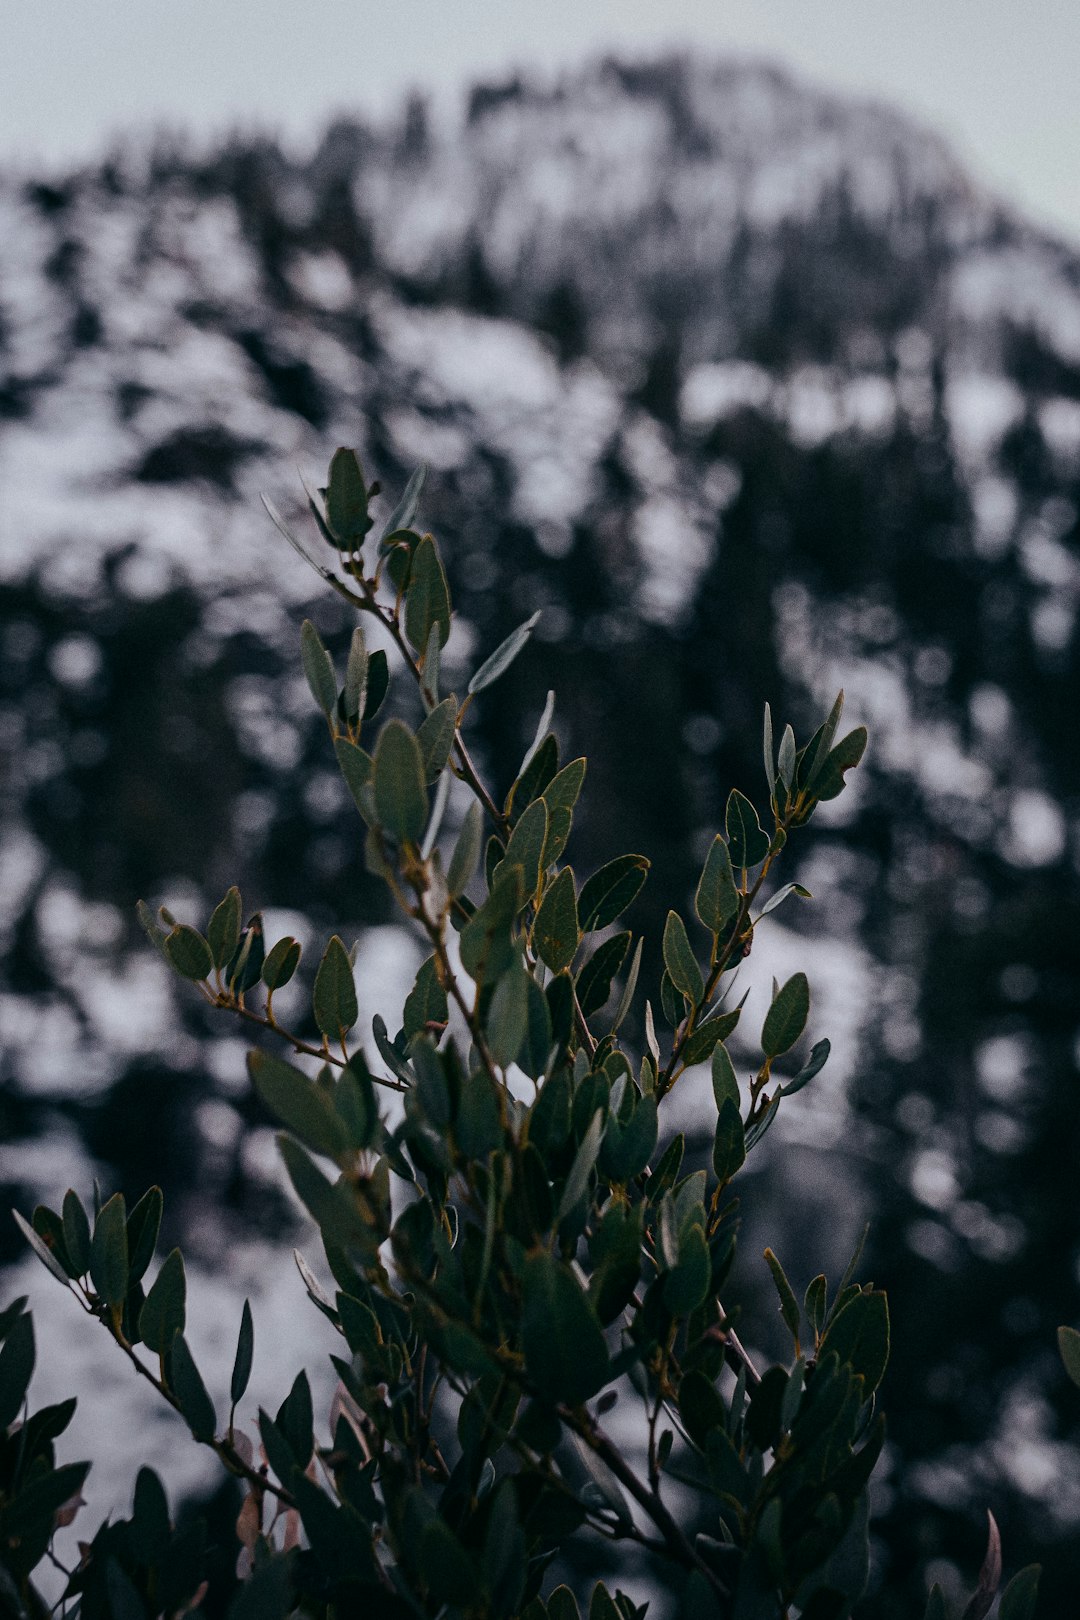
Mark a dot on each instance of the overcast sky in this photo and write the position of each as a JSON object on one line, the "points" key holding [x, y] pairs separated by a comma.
{"points": [[998, 78]]}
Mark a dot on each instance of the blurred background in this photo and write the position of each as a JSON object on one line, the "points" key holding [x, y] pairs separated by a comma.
{"points": [[745, 343]]}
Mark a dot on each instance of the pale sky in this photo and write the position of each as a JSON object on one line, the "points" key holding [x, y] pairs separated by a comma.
{"points": [[999, 79]]}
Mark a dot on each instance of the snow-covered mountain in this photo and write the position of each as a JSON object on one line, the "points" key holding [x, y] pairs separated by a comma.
{"points": [[757, 395]]}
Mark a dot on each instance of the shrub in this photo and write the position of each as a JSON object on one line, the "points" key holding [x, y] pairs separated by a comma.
{"points": [[516, 1242]]}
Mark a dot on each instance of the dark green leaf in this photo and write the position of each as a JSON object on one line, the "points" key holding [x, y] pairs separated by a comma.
{"points": [[295, 1420], [539, 1038], [729, 1145], [281, 963], [245, 966], [354, 1101], [188, 953], [143, 1226], [786, 1018], [486, 948], [819, 1056], [35, 1506], [427, 599], [334, 994], [223, 932], [814, 1305], [700, 1407], [378, 681], [466, 856], [436, 738], [565, 1353], [401, 801], [295, 1102], [347, 500], [109, 1252], [747, 843], [503, 656], [606, 895], [556, 935], [526, 846], [680, 961], [164, 1312], [789, 1305], [768, 750], [508, 1016], [358, 769], [564, 789], [537, 771], [596, 975], [818, 751], [405, 511], [445, 1566], [426, 1002], [40, 1248], [781, 895], [16, 1368], [196, 1407], [331, 1205], [245, 1350], [847, 753], [717, 899], [1019, 1597], [318, 668], [686, 1285], [76, 1234], [859, 1335], [707, 1036]]}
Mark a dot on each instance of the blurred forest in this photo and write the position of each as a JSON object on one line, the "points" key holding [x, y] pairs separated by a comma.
{"points": [[756, 396]]}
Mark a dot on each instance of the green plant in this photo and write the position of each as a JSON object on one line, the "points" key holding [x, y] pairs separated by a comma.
{"points": [[516, 1245]]}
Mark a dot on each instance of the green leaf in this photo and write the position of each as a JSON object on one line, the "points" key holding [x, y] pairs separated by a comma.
{"points": [[686, 1285], [16, 1368], [427, 599], [330, 1205], [786, 762], [725, 1082], [76, 1234], [819, 1055], [700, 1406], [223, 932], [164, 1311], [786, 1018], [354, 1100], [436, 738], [556, 934], [595, 977], [565, 1353], [486, 946], [525, 846], [508, 1016], [1019, 1597], [814, 1304], [143, 1225], [400, 794], [781, 895], [680, 960], [347, 500], [295, 1420], [445, 1566], [378, 683], [281, 963], [717, 899], [537, 770], [747, 843], [789, 1305], [707, 1036], [859, 1335], [767, 749], [405, 511], [318, 668], [606, 895], [564, 789], [466, 856], [196, 1407], [503, 656], [109, 1252], [847, 753], [302, 1107], [41, 1249], [354, 691], [35, 1506], [1069, 1347], [358, 769], [729, 1143], [822, 744], [188, 953], [426, 1002], [245, 1350], [584, 1159], [334, 993], [245, 966]]}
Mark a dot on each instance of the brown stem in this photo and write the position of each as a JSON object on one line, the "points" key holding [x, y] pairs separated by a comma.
{"points": [[297, 1044]]}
